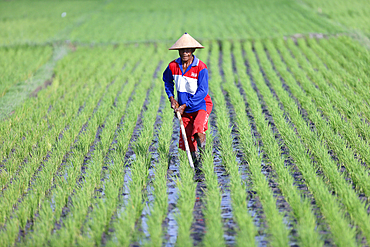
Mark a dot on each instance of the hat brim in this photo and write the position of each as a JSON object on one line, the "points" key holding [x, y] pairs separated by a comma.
{"points": [[186, 41], [186, 47]]}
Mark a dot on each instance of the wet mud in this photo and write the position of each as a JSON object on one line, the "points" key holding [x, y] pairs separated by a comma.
{"points": [[154, 160], [289, 162], [223, 182], [170, 223]]}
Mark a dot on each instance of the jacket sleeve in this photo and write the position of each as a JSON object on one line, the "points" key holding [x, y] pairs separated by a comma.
{"points": [[168, 82], [202, 90]]}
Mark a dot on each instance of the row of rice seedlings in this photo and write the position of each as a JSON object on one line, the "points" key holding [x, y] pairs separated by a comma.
{"points": [[20, 184], [105, 205], [331, 94], [358, 81], [214, 235], [146, 137], [315, 144], [19, 63], [83, 197], [32, 201], [360, 52], [350, 109], [48, 129], [185, 202], [330, 128], [31, 113], [343, 234], [16, 128], [348, 61], [246, 230], [130, 212], [48, 215], [159, 208], [50, 121], [305, 224], [356, 67], [302, 211], [46, 176], [336, 76]]}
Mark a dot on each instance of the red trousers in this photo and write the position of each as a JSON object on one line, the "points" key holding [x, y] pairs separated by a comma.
{"points": [[195, 122]]}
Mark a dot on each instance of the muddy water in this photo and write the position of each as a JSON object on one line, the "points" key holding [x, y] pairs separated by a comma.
{"points": [[223, 181], [154, 160], [297, 175], [173, 170]]}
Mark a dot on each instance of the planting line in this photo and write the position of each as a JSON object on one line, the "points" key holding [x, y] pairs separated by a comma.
{"points": [[359, 65], [357, 172], [139, 145], [52, 124], [336, 76], [327, 203], [360, 51], [172, 190], [223, 176], [348, 110], [72, 172], [11, 194], [333, 97], [24, 212], [74, 223], [159, 208], [20, 184], [209, 220], [246, 231], [124, 224], [106, 206], [331, 209], [185, 202], [349, 197], [214, 235], [341, 53], [302, 211], [141, 228], [15, 128]]}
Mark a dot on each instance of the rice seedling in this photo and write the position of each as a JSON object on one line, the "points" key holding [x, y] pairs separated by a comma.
{"points": [[349, 198]]}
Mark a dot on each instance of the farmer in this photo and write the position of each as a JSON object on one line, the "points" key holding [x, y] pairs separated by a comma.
{"points": [[190, 76]]}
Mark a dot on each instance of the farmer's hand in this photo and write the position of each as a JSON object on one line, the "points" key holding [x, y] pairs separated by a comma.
{"points": [[181, 109], [174, 103]]}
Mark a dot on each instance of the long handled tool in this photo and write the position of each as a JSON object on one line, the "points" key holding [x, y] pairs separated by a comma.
{"points": [[185, 140]]}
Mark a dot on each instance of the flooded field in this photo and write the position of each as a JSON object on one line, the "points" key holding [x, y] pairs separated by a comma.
{"points": [[89, 146]]}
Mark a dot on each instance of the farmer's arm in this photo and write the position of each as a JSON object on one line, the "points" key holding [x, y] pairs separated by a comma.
{"points": [[202, 90], [168, 86], [168, 82]]}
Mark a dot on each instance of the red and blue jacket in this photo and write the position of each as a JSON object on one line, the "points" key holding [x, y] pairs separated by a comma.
{"points": [[191, 85]]}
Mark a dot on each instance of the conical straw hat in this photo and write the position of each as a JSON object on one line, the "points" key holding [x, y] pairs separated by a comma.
{"points": [[186, 41]]}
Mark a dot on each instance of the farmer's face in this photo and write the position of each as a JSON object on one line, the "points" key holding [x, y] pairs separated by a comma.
{"points": [[186, 54]]}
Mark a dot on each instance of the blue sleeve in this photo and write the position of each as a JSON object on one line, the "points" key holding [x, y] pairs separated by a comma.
{"points": [[202, 90], [168, 81]]}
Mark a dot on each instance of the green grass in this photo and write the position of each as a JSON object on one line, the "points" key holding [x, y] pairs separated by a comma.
{"points": [[65, 78]]}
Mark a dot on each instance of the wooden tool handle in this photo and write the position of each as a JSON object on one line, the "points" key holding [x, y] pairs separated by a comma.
{"points": [[185, 140]]}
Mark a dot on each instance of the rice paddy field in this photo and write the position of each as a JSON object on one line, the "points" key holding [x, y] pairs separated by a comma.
{"points": [[89, 144]]}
